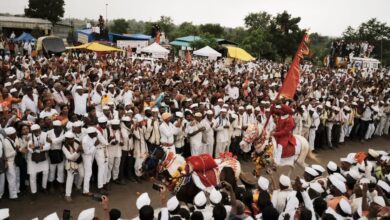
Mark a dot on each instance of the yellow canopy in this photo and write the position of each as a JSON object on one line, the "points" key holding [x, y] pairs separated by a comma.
{"points": [[94, 46], [238, 53]]}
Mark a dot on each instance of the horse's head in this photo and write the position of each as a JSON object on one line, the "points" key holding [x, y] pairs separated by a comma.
{"points": [[151, 163]]}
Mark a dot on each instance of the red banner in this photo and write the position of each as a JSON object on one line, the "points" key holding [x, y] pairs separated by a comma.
{"points": [[291, 81]]}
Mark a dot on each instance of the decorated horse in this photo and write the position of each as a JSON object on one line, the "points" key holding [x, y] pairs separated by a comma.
{"points": [[265, 150], [186, 177]]}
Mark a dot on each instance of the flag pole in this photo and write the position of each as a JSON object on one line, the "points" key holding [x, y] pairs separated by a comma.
{"points": [[296, 60]]}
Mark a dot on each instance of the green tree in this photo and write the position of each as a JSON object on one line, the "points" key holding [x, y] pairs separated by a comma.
{"points": [[215, 30], [185, 29], [256, 43], [52, 10], [285, 34], [206, 40], [119, 26], [260, 20]]}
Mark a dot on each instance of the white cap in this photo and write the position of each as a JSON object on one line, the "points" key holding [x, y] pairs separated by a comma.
{"points": [[241, 108], [340, 177], [346, 108], [198, 114], [138, 118], [337, 183], [7, 84], [384, 185], [102, 119], [13, 90], [373, 153], [172, 203], [69, 135], [35, 127], [225, 105], [52, 216], [194, 105], [354, 173], [215, 196], [77, 124], [311, 171], [285, 180], [126, 118], [57, 123], [91, 130], [220, 100], [200, 199], [79, 87], [209, 112], [154, 109], [345, 206], [143, 200], [316, 187], [257, 108], [349, 160], [4, 213], [332, 166], [224, 110], [380, 201], [106, 107], [318, 168], [9, 130], [110, 103], [147, 108], [179, 114], [87, 214], [115, 122], [249, 107], [263, 183]]}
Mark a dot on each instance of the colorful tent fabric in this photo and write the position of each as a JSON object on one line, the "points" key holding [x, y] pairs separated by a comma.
{"points": [[238, 53], [94, 46], [207, 52], [25, 37]]}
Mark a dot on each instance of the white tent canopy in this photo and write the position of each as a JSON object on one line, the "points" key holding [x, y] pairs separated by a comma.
{"points": [[156, 50], [207, 52]]}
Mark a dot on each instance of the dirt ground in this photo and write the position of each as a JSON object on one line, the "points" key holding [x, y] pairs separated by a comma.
{"points": [[123, 197]]}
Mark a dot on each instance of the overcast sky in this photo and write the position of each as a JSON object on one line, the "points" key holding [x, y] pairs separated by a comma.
{"points": [[328, 17]]}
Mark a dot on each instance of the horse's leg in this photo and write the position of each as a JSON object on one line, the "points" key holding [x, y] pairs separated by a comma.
{"points": [[290, 170]]}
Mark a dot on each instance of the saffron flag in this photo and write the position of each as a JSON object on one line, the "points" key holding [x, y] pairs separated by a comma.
{"points": [[291, 81], [158, 36]]}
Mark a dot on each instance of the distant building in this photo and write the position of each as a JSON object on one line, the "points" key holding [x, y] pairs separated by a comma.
{"points": [[9, 24]]}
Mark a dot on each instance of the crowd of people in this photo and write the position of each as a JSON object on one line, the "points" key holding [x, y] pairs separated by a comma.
{"points": [[341, 48], [81, 118]]}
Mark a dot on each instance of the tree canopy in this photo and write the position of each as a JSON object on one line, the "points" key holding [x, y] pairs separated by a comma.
{"points": [[119, 26], [52, 10]]}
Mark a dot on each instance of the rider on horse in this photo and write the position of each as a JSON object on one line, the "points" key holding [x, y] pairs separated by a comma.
{"points": [[283, 132]]}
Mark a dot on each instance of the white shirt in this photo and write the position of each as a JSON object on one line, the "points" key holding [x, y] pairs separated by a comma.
{"points": [[45, 113], [222, 133], [80, 103], [89, 145], [195, 140], [27, 103], [167, 132]]}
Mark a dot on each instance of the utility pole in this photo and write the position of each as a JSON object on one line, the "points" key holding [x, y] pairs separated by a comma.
{"points": [[106, 14]]}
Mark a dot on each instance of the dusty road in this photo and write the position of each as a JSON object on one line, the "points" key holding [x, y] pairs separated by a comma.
{"points": [[123, 196]]}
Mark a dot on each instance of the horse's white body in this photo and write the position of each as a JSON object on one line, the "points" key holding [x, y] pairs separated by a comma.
{"points": [[302, 148]]}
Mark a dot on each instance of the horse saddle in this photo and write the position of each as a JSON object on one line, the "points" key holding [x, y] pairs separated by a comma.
{"points": [[204, 170]]}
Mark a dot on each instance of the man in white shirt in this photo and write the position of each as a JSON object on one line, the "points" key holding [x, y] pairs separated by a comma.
{"points": [[10, 150], [55, 138], [222, 128], [152, 135], [194, 132], [30, 101], [80, 101], [167, 131], [89, 144], [248, 117], [59, 96], [208, 134]]}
